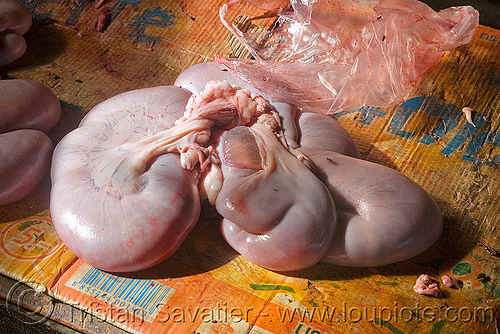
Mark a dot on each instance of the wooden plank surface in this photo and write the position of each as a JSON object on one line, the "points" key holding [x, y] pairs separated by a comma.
{"points": [[209, 288]]}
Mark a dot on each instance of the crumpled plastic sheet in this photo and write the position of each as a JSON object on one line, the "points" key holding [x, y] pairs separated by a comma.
{"points": [[335, 55]]}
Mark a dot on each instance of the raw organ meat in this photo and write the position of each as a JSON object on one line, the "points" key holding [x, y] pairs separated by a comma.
{"points": [[336, 55], [383, 217], [27, 111], [276, 212], [15, 21], [129, 181], [125, 183], [116, 203], [25, 156], [26, 104]]}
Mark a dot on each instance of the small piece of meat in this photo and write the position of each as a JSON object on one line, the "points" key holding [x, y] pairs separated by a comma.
{"points": [[452, 282], [468, 115], [489, 250], [103, 19], [425, 285]]}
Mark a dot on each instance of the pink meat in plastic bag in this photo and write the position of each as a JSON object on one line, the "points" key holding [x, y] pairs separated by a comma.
{"points": [[333, 55]]}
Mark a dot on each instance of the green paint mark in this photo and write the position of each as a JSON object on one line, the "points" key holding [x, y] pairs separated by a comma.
{"points": [[388, 325], [461, 269], [26, 224], [386, 283], [73, 107], [437, 327], [271, 287], [313, 303], [494, 290]]}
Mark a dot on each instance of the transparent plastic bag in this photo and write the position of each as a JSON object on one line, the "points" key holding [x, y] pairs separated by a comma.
{"points": [[334, 55]]}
